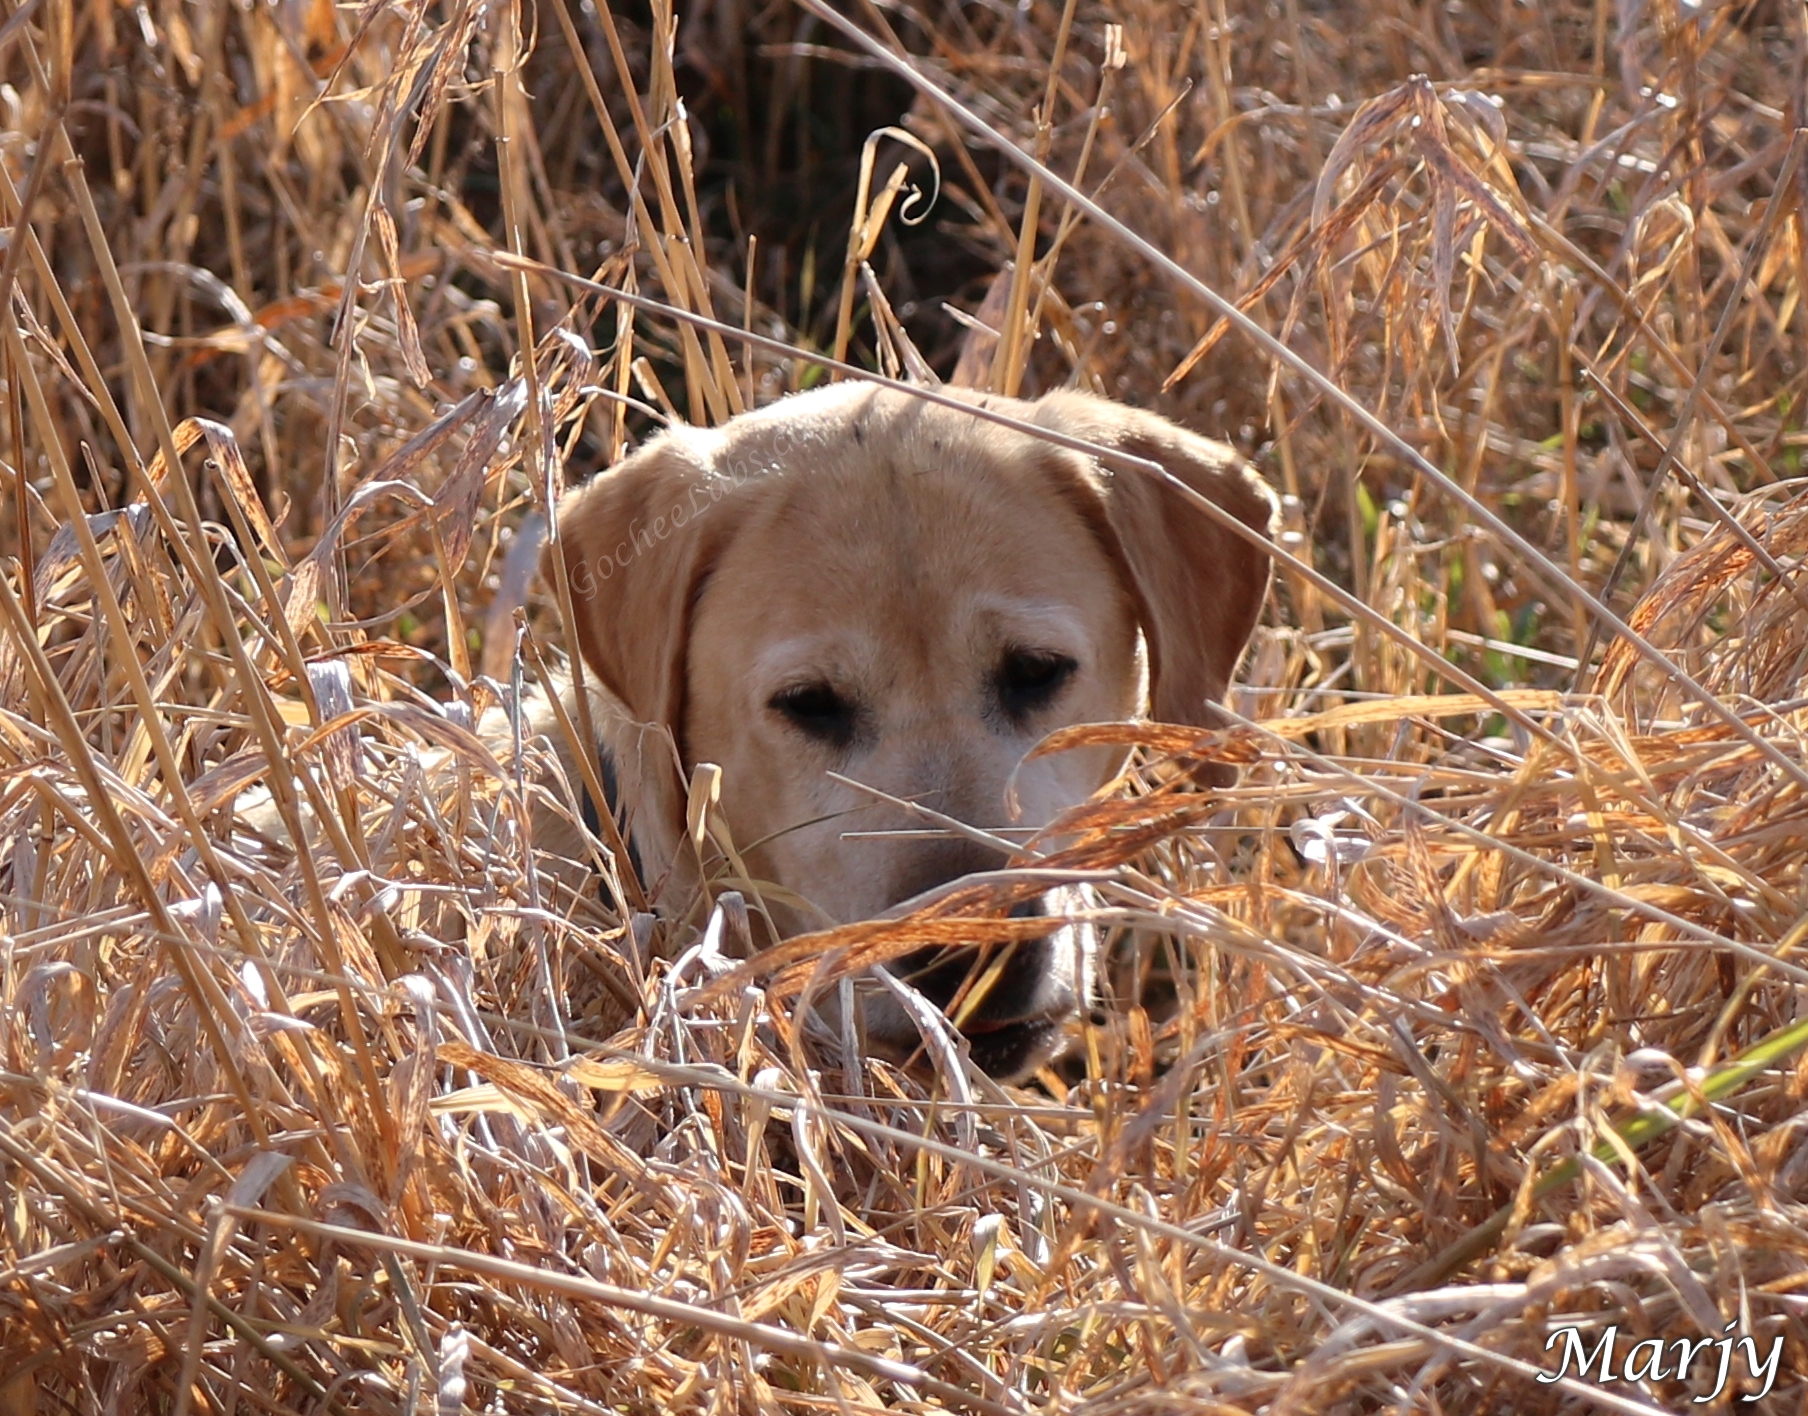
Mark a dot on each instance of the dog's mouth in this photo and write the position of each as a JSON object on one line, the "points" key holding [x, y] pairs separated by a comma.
{"points": [[1011, 1050]]}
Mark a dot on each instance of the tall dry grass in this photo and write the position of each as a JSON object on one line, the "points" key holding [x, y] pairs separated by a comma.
{"points": [[1474, 1011]]}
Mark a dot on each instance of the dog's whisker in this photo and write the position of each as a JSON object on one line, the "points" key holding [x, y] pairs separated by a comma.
{"points": [[803, 825], [928, 834], [948, 823]]}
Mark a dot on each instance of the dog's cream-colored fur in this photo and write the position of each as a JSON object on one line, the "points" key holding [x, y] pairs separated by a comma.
{"points": [[860, 582]]}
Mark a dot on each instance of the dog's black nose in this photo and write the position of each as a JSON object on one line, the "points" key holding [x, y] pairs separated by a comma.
{"points": [[939, 973]]}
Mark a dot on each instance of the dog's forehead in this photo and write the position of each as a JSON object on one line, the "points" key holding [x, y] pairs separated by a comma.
{"points": [[879, 521], [892, 539]]}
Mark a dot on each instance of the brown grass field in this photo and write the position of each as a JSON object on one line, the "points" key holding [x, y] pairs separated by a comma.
{"points": [[1474, 1013]]}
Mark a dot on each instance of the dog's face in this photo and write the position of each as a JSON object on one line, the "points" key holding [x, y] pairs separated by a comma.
{"points": [[857, 583], [946, 618]]}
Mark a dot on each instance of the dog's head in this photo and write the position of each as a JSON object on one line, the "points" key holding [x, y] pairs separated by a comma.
{"points": [[858, 582]]}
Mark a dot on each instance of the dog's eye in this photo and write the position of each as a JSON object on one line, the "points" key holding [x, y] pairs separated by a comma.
{"points": [[1029, 679], [818, 711]]}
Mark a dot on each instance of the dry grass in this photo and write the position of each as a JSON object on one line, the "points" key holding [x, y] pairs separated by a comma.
{"points": [[1474, 1011]]}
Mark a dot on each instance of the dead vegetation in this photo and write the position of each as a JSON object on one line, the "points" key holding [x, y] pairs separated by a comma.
{"points": [[1473, 1012]]}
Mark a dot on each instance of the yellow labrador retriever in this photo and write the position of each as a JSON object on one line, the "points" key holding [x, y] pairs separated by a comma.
{"points": [[859, 582]]}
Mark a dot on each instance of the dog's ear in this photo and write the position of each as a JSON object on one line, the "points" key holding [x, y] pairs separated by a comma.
{"points": [[634, 542], [1199, 585]]}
